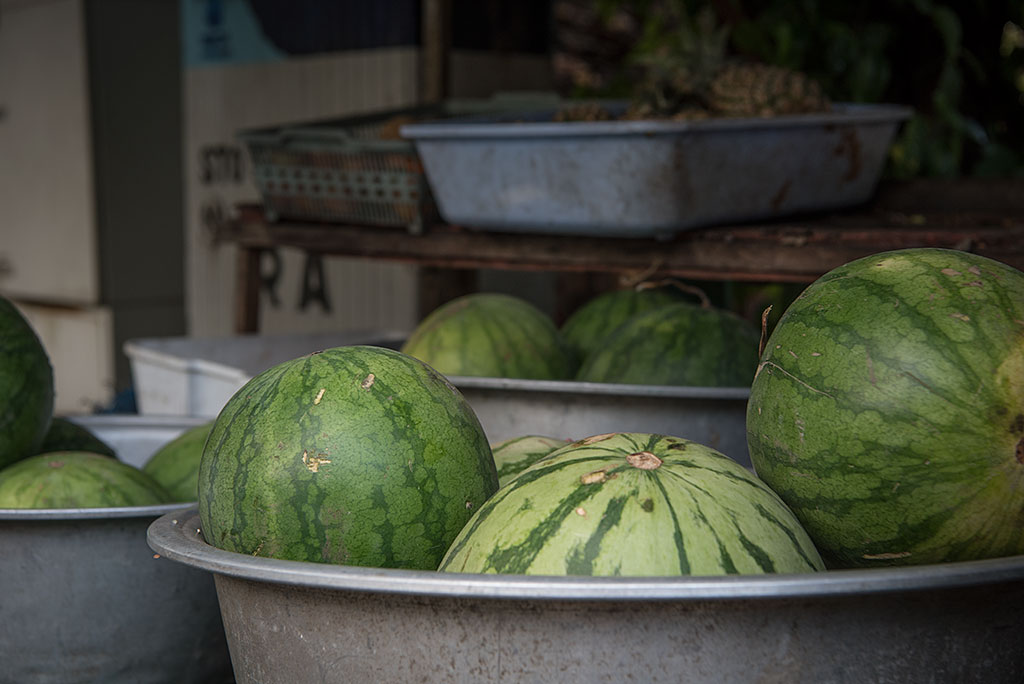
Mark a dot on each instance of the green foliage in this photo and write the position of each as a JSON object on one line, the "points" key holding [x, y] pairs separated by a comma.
{"points": [[959, 65]]}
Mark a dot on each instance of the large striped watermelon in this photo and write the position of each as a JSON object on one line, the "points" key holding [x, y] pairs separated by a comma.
{"points": [[76, 479], [678, 344], [888, 410], [588, 326], [633, 504], [355, 455], [514, 455], [26, 387], [175, 465], [492, 335]]}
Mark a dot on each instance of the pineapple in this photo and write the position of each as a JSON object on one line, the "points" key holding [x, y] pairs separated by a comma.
{"points": [[583, 111], [688, 77], [752, 89]]}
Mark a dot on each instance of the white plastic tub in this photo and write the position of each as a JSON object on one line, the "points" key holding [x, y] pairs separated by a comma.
{"points": [[194, 376]]}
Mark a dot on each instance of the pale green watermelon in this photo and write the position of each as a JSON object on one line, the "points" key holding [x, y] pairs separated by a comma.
{"points": [[633, 504]]}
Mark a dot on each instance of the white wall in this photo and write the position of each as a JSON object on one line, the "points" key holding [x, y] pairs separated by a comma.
{"points": [[221, 100]]}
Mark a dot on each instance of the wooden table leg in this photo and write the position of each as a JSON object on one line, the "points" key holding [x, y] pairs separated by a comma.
{"points": [[439, 285], [247, 290]]}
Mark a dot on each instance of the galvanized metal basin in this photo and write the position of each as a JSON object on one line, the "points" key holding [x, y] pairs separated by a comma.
{"points": [[508, 407], [83, 599], [290, 622]]}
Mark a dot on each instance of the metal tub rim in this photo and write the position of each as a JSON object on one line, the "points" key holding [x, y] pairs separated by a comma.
{"points": [[29, 514], [599, 388], [477, 127], [177, 536]]}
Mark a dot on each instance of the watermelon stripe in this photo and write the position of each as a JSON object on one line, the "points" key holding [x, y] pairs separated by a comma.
{"points": [[677, 533], [581, 560], [517, 558]]}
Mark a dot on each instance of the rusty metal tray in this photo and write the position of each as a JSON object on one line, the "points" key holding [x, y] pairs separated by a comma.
{"points": [[639, 178]]}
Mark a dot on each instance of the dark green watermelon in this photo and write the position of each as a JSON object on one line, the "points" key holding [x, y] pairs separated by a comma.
{"points": [[679, 344], [633, 504], [26, 387], [588, 326], [175, 465], [66, 435], [76, 479], [888, 409], [355, 455], [492, 335]]}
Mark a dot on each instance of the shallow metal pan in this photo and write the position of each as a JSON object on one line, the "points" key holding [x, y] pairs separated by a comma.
{"points": [[528, 173]]}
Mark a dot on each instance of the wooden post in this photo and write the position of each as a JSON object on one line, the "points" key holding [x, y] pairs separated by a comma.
{"points": [[247, 290], [436, 38]]}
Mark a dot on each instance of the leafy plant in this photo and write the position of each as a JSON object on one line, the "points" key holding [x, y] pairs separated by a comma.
{"points": [[960, 65]]}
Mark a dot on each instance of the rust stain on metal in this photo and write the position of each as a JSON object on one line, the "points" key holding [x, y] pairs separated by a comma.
{"points": [[849, 146], [780, 195]]}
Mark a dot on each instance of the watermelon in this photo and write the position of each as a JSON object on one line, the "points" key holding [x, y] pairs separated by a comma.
{"points": [[492, 335], [633, 504], [76, 479], [677, 344], [26, 387], [355, 455], [888, 409], [588, 326], [175, 465], [513, 456], [65, 435]]}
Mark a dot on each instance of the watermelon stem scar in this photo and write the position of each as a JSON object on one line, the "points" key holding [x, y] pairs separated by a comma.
{"points": [[644, 460]]}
